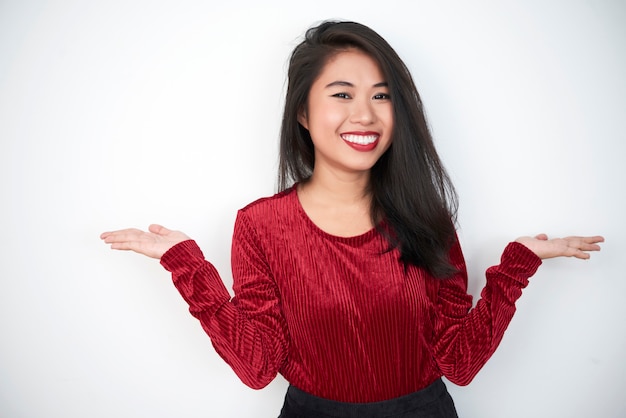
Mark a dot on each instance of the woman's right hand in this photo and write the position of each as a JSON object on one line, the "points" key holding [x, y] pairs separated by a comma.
{"points": [[153, 243]]}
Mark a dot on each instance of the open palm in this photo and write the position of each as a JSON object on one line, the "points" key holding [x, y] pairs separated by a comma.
{"points": [[153, 243], [561, 247]]}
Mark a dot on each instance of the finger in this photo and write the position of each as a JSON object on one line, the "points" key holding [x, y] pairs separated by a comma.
{"points": [[139, 247], [124, 246], [593, 240], [582, 255], [542, 237], [158, 229], [126, 235], [109, 233], [119, 231], [580, 249], [585, 243], [590, 247]]}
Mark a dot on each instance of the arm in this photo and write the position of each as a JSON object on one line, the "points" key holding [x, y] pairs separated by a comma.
{"points": [[465, 338], [249, 331]]}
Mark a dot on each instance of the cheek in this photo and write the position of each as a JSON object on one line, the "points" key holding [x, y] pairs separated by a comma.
{"points": [[329, 118], [388, 117]]}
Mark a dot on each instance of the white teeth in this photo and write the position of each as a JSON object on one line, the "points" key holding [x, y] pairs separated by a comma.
{"points": [[360, 139]]}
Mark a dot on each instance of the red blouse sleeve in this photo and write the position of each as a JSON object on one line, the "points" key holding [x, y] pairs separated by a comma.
{"points": [[465, 338], [247, 331]]}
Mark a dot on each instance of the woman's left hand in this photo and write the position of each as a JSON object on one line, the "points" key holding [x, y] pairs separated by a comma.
{"points": [[561, 247]]}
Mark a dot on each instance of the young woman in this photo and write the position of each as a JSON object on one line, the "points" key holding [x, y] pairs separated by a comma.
{"points": [[350, 281]]}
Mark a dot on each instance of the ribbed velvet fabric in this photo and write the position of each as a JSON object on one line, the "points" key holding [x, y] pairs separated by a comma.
{"points": [[340, 317]]}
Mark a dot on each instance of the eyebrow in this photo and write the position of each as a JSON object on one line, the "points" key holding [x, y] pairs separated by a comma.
{"points": [[348, 84]]}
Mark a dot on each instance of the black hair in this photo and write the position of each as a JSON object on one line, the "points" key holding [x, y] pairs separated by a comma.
{"points": [[411, 191]]}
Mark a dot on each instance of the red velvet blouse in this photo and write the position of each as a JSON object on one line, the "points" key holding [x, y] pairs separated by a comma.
{"points": [[339, 317]]}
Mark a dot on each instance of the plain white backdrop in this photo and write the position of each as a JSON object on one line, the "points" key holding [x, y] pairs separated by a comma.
{"points": [[123, 113]]}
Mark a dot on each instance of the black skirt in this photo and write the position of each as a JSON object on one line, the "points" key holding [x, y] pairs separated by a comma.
{"points": [[433, 401]]}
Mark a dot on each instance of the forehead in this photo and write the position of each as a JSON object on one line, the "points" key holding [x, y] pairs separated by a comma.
{"points": [[351, 64]]}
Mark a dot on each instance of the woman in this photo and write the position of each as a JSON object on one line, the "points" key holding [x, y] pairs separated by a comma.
{"points": [[350, 281]]}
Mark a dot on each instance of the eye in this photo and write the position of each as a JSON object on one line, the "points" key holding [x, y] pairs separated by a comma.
{"points": [[381, 96], [342, 95]]}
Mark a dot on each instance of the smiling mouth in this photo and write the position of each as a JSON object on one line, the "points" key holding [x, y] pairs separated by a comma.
{"points": [[365, 139]]}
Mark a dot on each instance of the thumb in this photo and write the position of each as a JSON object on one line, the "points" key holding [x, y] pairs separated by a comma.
{"points": [[158, 229], [542, 237]]}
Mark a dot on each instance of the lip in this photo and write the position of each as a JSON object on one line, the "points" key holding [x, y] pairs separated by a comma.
{"points": [[362, 147]]}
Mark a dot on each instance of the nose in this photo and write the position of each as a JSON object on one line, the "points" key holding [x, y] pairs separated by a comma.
{"points": [[362, 112]]}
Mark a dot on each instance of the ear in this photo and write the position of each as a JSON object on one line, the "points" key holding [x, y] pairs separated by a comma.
{"points": [[303, 119]]}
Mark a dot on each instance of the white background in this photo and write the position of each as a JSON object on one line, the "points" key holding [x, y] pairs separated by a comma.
{"points": [[124, 113]]}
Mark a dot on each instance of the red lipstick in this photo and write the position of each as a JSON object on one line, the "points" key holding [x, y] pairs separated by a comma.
{"points": [[361, 141]]}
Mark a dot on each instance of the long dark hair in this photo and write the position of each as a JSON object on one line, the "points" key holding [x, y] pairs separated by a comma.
{"points": [[410, 188]]}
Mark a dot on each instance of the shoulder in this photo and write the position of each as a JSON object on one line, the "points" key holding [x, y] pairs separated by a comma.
{"points": [[271, 211], [279, 201], [268, 219]]}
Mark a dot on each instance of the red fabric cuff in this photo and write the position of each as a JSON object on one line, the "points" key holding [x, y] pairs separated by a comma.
{"points": [[180, 256], [519, 262]]}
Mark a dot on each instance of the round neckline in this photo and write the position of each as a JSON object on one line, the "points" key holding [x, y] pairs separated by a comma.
{"points": [[352, 239]]}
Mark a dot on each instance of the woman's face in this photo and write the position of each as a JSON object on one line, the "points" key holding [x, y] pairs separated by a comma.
{"points": [[349, 114]]}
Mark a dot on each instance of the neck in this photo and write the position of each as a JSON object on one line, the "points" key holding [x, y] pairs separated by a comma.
{"points": [[338, 189]]}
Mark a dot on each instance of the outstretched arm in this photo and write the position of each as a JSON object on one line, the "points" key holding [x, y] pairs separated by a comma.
{"points": [[466, 337], [248, 331], [153, 243], [578, 247]]}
